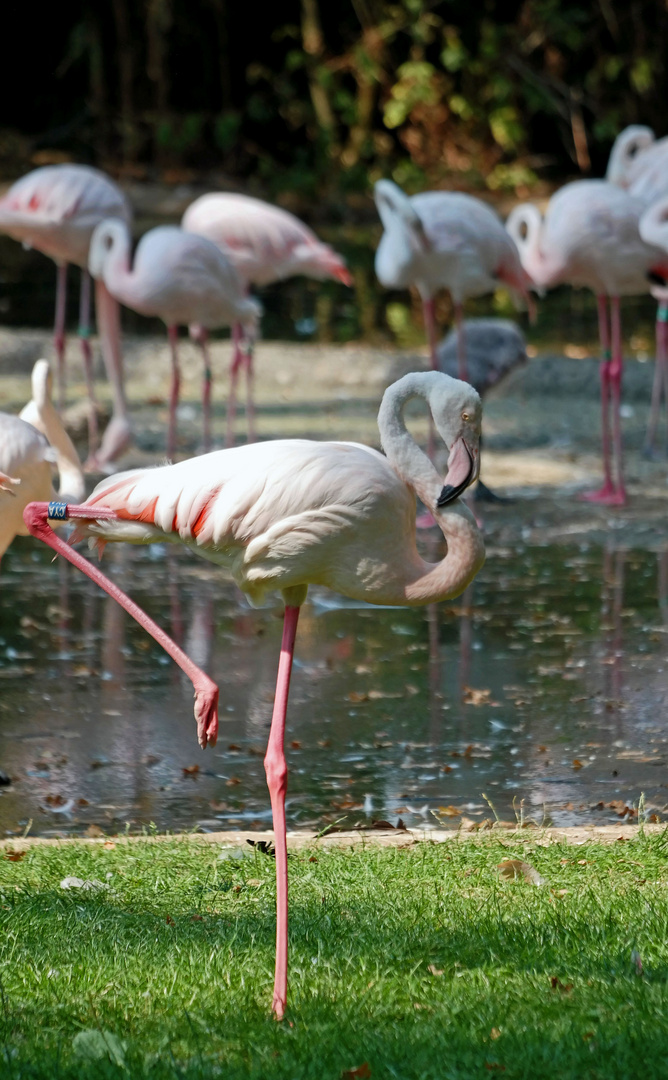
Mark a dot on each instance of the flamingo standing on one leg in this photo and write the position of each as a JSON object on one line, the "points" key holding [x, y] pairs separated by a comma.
{"points": [[589, 237], [639, 164], [30, 445], [287, 514], [444, 240], [55, 210], [182, 279], [265, 244]]}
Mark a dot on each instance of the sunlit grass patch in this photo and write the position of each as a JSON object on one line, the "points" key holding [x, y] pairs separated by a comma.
{"points": [[415, 962]]}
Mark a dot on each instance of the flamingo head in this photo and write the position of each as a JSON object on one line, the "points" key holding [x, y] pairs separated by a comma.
{"points": [[457, 411], [629, 143]]}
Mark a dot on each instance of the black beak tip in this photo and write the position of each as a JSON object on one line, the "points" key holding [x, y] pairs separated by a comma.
{"points": [[448, 493]]}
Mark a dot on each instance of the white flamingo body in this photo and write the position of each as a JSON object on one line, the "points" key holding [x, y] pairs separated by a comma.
{"points": [[588, 238], [182, 279], [55, 210], [292, 513], [264, 242], [30, 445], [467, 250], [444, 240]]}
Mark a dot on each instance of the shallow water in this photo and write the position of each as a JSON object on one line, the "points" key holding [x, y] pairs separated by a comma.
{"points": [[542, 691]]}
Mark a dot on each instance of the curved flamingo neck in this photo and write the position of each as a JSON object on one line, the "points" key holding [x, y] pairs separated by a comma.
{"points": [[427, 582]]}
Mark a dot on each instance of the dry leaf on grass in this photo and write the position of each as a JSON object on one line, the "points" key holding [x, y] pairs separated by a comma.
{"points": [[556, 984], [516, 869], [360, 1072], [14, 856], [495, 1033], [433, 970]]}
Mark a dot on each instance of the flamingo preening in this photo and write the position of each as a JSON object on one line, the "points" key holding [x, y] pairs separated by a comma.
{"points": [[445, 240], [639, 164], [182, 279], [30, 445], [265, 244], [55, 210], [284, 515], [589, 238]]}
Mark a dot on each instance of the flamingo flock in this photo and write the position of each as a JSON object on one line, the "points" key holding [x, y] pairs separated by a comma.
{"points": [[282, 515]]}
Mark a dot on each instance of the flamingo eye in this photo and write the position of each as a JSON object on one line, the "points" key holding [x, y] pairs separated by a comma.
{"points": [[465, 416]]}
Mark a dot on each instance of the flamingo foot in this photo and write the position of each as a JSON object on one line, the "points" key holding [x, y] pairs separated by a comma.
{"points": [[607, 496], [206, 713], [117, 437], [278, 1007], [424, 521]]}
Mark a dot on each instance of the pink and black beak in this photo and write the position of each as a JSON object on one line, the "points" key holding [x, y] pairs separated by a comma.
{"points": [[463, 468]]}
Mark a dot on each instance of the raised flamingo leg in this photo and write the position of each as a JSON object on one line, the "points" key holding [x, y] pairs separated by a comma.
{"points": [[37, 515], [173, 334], [607, 492], [59, 330], [87, 356], [250, 402], [462, 368], [235, 366], [276, 769]]}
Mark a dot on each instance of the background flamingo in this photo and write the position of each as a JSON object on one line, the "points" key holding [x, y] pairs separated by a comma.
{"points": [[287, 514], [654, 230], [30, 445], [444, 240], [265, 244], [182, 279], [589, 237], [55, 210], [639, 164]]}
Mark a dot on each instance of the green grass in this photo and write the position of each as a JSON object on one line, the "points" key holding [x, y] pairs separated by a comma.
{"points": [[176, 959]]}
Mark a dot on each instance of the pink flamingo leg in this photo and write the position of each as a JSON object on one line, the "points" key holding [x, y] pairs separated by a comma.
{"points": [[250, 402], [607, 492], [462, 367], [649, 448], [235, 366], [203, 339], [616, 372], [430, 327], [36, 516], [87, 356], [277, 781], [173, 334], [59, 330]]}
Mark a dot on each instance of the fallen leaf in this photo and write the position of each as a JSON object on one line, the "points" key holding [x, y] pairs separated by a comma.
{"points": [[588, 1035], [583, 862], [109, 845], [14, 856], [360, 1072], [94, 830], [232, 782], [449, 811], [556, 984], [495, 1033], [169, 920], [190, 770], [197, 918], [433, 970], [512, 869], [234, 748], [577, 764], [476, 697], [295, 744], [313, 858]]}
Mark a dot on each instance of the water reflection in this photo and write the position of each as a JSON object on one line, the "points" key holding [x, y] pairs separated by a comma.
{"points": [[543, 683]]}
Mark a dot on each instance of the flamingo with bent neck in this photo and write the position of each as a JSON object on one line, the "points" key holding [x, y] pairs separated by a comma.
{"points": [[55, 210], [181, 278], [445, 240], [589, 238], [30, 445], [284, 515], [265, 244]]}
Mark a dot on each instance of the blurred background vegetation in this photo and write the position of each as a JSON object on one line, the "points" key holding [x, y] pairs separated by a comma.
{"points": [[313, 100]]}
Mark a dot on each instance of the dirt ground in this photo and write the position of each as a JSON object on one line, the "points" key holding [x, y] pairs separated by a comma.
{"points": [[541, 427]]}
